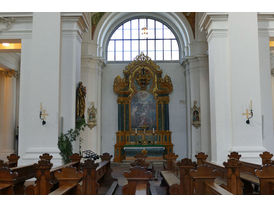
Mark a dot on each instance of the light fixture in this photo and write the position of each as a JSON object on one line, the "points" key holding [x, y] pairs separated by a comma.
{"points": [[6, 44], [144, 33]]}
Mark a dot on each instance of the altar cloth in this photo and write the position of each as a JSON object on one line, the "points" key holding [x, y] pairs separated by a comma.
{"points": [[152, 151]]}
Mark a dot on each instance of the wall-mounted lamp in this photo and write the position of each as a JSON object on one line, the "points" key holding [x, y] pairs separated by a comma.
{"points": [[248, 113], [43, 114]]}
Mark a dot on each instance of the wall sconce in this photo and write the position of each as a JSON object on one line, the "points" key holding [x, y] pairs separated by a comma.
{"points": [[249, 113], [43, 114]]}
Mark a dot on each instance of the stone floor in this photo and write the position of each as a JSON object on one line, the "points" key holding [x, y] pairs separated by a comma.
{"points": [[117, 172]]}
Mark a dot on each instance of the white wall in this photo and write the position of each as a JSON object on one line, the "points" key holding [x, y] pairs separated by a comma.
{"points": [[177, 107]]}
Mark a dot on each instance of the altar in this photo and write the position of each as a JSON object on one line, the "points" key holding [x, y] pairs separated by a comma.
{"points": [[153, 152], [143, 111]]}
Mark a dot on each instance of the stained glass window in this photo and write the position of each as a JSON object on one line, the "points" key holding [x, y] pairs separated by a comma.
{"points": [[146, 35]]}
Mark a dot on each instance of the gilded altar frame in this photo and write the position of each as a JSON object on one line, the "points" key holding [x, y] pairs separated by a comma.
{"points": [[147, 75]]}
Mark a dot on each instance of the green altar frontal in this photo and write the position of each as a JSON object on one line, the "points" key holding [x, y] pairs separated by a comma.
{"points": [[153, 151]]}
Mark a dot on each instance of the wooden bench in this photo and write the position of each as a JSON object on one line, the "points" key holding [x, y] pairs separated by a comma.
{"points": [[46, 181], [6, 189], [169, 179], [266, 178], [16, 176], [138, 181], [185, 186], [68, 179], [171, 163], [203, 182], [229, 174]]}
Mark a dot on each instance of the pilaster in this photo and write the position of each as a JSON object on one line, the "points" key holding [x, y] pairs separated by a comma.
{"points": [[91, 74]]}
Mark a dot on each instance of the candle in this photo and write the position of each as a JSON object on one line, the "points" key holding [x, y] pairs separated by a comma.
{"points": [[153, 130], [250, 104], [144, 131], [135, 130]]}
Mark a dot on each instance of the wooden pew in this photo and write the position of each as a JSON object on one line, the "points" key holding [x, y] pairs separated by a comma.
{"points": [[68, 179], [171, 163], [95, 173], [12, 160], [184, 187], [228, 176], [266, 174], [203, 182], [45, 178], [138, 181], [169, 179], [16, 176]]}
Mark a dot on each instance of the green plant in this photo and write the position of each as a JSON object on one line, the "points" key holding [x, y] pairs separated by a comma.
{"points": [[65, 140]]}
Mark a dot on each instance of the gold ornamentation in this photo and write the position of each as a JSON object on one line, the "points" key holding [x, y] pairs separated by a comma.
{"points": [[142, 74], [9, 73], [143, 78], [92, 111], [196, 119], [80, 101]]}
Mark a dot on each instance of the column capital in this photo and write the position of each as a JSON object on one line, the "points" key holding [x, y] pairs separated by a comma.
{"points": [[194, 63], [89, 61], [266, 23], [74, 23], [214, 24]]}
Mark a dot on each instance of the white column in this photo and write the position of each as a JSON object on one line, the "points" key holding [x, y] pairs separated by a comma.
{"points": [[266, 90], [219, 86], [196, 69], [245, 84], [40, 83], [7, 111], [205, 106], [73, 26], [234, 73], [91, 77]]}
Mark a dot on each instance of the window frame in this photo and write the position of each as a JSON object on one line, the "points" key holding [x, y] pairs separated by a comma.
{"points": [[139, 39]]}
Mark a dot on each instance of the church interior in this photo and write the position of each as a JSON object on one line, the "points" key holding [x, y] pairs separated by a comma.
{"points": [[136, 103]]}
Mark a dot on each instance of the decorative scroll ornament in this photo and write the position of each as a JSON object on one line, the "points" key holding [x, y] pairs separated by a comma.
{"points": [[9, 73], [80, 101], [144, 71], [92, 111], [196, 119], [143, 78]]}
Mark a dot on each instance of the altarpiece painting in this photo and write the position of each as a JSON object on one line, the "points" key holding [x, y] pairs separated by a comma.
{"points": [[143, 110]]}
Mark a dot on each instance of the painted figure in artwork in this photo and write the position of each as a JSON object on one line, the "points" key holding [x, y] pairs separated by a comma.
{"points": [[143, 110]]}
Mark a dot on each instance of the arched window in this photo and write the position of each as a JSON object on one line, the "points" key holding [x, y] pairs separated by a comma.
{"points": [[146, 35]]}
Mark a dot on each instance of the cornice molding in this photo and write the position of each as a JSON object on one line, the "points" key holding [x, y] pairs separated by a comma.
{"points": [[79, 17], [214, 22]]}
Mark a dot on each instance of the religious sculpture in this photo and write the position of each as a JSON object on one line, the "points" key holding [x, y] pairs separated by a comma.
{"points": [[92, 111], [196, 122], [80, 101]]}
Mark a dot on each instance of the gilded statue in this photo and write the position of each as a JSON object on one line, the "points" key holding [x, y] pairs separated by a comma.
{"points": [[80, 101]]}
